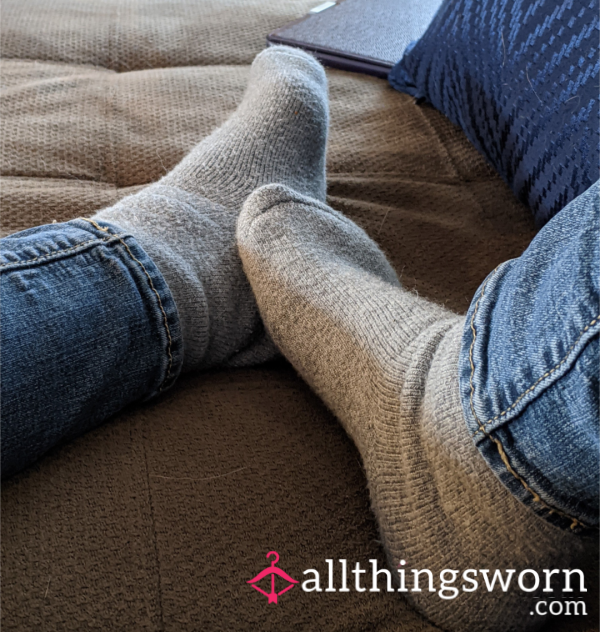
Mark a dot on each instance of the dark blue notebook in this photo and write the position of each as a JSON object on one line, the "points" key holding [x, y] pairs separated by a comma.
{"points": [[367, 36]]}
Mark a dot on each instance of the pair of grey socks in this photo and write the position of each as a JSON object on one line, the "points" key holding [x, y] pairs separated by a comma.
{"points": [[257, 263]]}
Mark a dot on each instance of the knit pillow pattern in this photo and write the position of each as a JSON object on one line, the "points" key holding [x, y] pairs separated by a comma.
{"points": [[521, 79]]}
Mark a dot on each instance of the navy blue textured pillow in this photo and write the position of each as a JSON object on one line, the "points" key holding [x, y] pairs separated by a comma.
{"points": [[521, 79]]}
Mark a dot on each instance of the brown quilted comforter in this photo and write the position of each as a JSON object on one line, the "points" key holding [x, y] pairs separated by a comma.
{"points": [[156, 520]]}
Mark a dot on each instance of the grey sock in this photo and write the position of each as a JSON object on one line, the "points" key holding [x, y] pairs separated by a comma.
{"points": [[186, 221], [386, 363]]}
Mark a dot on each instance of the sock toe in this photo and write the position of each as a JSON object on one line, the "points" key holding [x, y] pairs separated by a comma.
{"points": [[304, 64], [277, 214], [269, 196], [277, 134]]}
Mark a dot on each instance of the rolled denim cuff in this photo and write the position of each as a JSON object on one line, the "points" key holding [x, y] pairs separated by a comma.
{"points": [[88, 326], [532, 405], [529, 369], [167, 339]]}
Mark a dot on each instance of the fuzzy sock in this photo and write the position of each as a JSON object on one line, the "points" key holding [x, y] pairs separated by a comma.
{"points": [[186, 221], [386, 363]]}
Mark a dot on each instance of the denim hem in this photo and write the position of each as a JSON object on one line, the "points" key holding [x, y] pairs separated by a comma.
{"points": [[154, 290], [491, 436], [89, 326]]}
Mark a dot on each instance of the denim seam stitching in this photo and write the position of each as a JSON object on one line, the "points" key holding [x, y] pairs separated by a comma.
{"points": [[160, 305], [58, 252], [503, 456]]}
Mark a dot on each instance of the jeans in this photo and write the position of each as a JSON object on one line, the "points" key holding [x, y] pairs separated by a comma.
{"points": [[529, 368], [88, 326]]}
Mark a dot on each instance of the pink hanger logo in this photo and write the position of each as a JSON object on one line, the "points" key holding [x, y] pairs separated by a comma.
{"points": [[272, 571]]}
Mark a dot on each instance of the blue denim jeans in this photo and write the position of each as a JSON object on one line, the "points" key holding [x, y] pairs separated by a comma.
{"points": [[529, 368], [88, 326]]}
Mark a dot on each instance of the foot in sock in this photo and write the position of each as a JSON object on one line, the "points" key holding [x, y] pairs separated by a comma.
{"points": [[186, 221], [386, 363]]}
